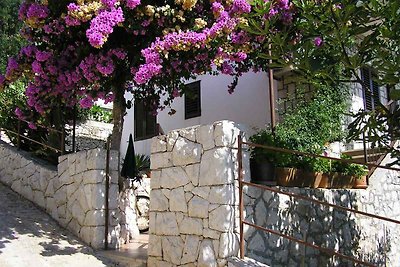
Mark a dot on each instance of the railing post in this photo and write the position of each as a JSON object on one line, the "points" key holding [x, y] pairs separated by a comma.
{"points": [[106, 204], [19, 134], [241, 205], [74, 131]]}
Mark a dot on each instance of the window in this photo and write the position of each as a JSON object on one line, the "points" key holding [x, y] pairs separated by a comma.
{"points": [[370, 89], [192, 100], [373, 93], [145, 122]]}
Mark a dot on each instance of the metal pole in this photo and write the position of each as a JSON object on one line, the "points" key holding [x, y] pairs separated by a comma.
{"points": [[271, 92], [19, 134], [241, 205], [107, 194], [74, 131]]}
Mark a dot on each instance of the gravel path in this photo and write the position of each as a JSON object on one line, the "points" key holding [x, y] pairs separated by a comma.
{"points": [[29, 237]]}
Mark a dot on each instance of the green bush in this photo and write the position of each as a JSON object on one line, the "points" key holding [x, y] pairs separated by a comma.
{"points": [[307, 128]]}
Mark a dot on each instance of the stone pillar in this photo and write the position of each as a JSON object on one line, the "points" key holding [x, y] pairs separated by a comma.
{"points": [[194, 196]]}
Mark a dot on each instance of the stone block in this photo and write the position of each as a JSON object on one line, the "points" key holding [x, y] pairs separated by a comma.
{"points": [[155, 248], [186, 152], [94, 236], [228, 245], [94, 218], [38, 199], [193, 172], [226, 134], [158, 201], [155, 181], [172, 247], [191, 226], [166, 224], [203, 191], [223, 194], [207, 256], [171, 139], [216, 167], [95, 194], [191, 249], [205, 136], [158, 144], [16, 186], [80, 162], [160, 160], [173, 178], [213, 234], [93, 177], [222, 218], [177, 200], [189, 133], [96, 159], [198, 207], [50, 205]]}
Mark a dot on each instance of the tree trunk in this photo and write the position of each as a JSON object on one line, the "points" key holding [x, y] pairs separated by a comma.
{"points": [[118, 116]]}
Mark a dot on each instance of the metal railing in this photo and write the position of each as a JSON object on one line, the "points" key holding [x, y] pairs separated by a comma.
{"points": [[20, 135], [242, 183]]}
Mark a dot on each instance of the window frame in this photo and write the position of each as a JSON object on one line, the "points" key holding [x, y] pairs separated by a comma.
{"points": [[196, 87], [144, 120]]}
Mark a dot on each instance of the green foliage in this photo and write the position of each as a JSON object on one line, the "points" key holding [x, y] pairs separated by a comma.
{"points": [[350, 169], [354, 34], [10, 98], [98, 113], [10, 39], [307, 128], [142, 164]]}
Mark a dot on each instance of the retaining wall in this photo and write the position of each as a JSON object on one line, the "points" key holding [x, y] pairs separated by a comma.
{"points": [[362, 237], [74, 193]]}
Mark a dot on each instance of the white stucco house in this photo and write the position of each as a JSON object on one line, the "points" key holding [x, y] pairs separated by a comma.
{"points": [[248, 105]]}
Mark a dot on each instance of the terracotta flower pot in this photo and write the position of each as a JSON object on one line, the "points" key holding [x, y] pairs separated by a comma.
{"points": [[342, 181], [361, 183], [325, 181], [286, 176], [309, 179]]}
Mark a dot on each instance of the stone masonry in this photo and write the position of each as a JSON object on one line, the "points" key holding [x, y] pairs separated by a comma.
{"points": [[74, 194], [362, 237], [194, 196]]}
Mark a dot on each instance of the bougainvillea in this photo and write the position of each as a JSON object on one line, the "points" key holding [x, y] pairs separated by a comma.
{"points": [[84, 50]]}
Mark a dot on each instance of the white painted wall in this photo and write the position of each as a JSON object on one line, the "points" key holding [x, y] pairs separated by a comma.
{"points": [[248, 105]]}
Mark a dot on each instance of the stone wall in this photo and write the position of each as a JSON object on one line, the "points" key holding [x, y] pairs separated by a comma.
{"points": [[371, 240], [194, 196], [73, 194], [89, 135]]}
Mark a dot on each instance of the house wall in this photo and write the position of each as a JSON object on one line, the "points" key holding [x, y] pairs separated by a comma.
{"points": [[249, 104]]}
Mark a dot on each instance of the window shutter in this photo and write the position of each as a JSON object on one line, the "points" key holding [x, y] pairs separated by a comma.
{"points": [[192, 100], [367, 88]]}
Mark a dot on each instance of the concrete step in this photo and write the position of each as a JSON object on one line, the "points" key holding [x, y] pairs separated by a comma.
{"points": [[133, 254]]}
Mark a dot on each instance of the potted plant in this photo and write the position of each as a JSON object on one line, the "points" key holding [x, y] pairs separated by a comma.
{"points": [[312, 172], [262, 160], [348, 175], [360, 173]]}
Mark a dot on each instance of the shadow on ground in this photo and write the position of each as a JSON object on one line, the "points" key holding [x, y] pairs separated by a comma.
{"points": [[21, 220]]}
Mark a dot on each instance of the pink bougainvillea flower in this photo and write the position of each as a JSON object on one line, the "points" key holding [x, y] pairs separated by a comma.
{"points": [[318, 41]]}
